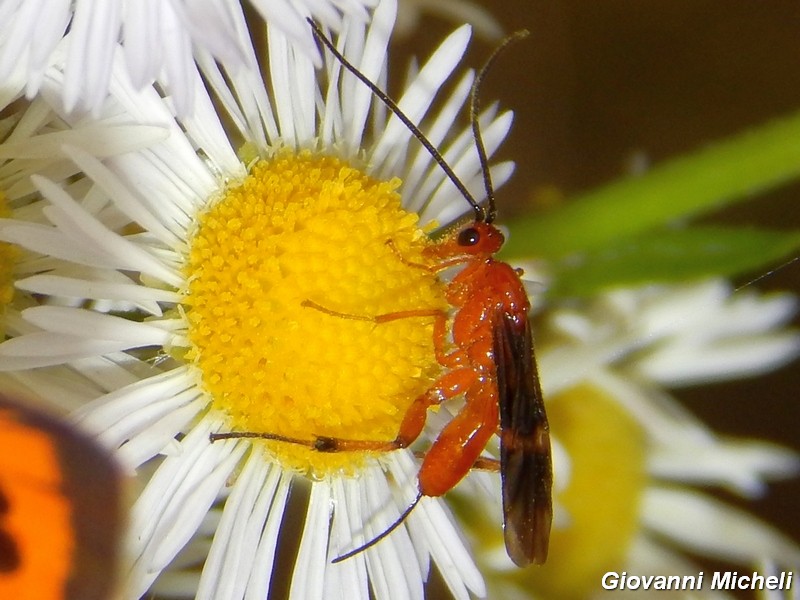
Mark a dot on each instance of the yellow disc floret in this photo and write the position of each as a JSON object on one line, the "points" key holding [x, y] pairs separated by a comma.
{"points": [[304, 229], [8, 257]]}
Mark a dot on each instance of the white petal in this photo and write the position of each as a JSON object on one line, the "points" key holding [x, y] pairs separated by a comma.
{"points": [[45, 349], [680, 364], [258, 585], [156, 436], [286, 17], [142, 40], [101, 140], [93, 34], [741, 466], [290, 18], [128, 255], [346, 579], [431, 523], [309, 572], [85, 323], [50, 242], [124, 199], [176, 500], [231, 560], [114, 371], [58, 285], [208, 135], [36, 29], [392, 563], [221, 40], [417, 99], [710, 527], [295, 116], [684, 449], [178, 63], [371, 53], [115, 406], [436, 134], [444, 200]]}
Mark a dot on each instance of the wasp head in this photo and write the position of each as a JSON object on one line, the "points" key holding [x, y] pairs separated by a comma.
{"points": [[478, 238]]}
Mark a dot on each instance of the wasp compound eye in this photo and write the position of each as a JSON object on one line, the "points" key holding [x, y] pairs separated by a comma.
{"points": [[469, 237]]}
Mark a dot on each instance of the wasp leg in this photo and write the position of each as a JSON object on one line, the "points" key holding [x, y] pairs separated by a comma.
{"points": [[448, 386], [407, 262], [458, 447], [378, 319], [432, 268], [439, 324], [319, 443], [482, 463]]}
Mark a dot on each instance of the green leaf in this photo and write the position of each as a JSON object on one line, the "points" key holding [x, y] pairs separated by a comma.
{"points": [[729, 171], [672, 256]]}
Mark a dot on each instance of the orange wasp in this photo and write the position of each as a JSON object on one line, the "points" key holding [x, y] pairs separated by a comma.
{"points": [[491, 364]]}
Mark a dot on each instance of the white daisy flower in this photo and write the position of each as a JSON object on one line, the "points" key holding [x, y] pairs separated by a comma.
{"points": [[30, 142], [628, 453], [160, 40], [221, 257]]}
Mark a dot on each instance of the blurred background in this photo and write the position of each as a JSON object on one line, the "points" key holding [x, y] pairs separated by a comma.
{"points": [[605, 86]]}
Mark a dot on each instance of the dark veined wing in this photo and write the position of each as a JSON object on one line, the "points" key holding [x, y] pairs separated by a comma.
{"points": [[525, 463]]}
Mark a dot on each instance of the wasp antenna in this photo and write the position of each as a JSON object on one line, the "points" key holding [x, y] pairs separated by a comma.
{"points": [[235, 435], [381, 535], [474, 107], [768, 273], [392, 106]]}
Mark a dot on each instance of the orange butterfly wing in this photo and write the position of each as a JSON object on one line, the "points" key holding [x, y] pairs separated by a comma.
{"points": [[60, 512]]}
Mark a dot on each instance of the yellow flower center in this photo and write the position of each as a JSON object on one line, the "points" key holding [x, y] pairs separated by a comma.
{"points": [[606, 449], [310, 228], [9, 255]]}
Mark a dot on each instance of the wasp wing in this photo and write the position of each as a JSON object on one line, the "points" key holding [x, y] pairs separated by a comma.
{"points": [[525, 463]]}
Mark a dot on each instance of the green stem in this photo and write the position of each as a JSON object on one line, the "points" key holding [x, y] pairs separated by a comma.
{"points": [[729, 171]]}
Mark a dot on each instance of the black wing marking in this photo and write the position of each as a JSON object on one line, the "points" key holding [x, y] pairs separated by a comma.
{"points": [[525, 463], [10, 559]]}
